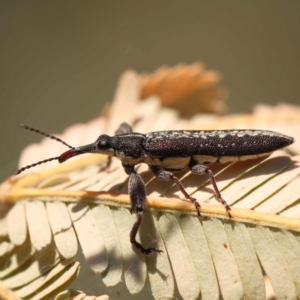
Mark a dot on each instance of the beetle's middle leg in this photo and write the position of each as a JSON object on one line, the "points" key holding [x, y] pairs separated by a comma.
{"points": [[166, 175], [201, 170]]}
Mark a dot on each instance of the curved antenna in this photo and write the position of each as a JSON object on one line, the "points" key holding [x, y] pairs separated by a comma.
{"points": [[33, 165], [45, 134]]}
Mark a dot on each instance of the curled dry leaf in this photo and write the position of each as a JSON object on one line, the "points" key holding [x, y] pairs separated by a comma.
{"points": [[52, 218]]}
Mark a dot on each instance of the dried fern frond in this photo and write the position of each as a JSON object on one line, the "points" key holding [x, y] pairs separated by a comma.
{"points": [[188, 88], [57, 220]]}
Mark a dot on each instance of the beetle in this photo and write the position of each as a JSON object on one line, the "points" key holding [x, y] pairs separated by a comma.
{"points": [[168, 152]]}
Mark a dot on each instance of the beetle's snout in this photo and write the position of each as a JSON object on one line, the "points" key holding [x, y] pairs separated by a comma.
{"points": [[76, 151], [66, 155]]}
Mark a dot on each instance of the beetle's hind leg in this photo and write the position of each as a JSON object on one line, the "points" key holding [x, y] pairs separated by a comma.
{"points": [[201, 170], [166, 175]]}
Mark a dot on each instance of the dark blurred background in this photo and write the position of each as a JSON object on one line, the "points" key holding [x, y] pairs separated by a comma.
{"points": [[60, 60]]}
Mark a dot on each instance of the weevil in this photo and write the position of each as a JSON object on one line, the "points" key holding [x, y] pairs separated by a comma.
{"points": [[168, 152]]}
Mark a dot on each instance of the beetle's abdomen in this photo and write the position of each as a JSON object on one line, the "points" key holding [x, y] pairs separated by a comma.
{"points": [[214, 145]]}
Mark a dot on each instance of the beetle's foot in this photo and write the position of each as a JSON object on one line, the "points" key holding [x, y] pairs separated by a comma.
{"points": [[149, 251], [197, 205], [146, 251], [227, 207]]}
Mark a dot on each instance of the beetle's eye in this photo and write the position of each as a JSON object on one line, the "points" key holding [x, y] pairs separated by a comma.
{"points": [[103, 144]]}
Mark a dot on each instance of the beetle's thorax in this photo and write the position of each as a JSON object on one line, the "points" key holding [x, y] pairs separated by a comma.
{"points": [[129, 148]]}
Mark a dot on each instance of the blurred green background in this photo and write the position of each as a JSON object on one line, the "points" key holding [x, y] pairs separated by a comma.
{"points": [[60, 60]]}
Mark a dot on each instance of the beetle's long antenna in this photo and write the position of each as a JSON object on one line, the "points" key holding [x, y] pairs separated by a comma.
{"points": [[45, 134], [38, 163]]}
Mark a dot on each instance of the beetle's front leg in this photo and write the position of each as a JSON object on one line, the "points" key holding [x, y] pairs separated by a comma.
{"points": [[137, 194], [124, 128], [200, 170], [166, 175]]}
